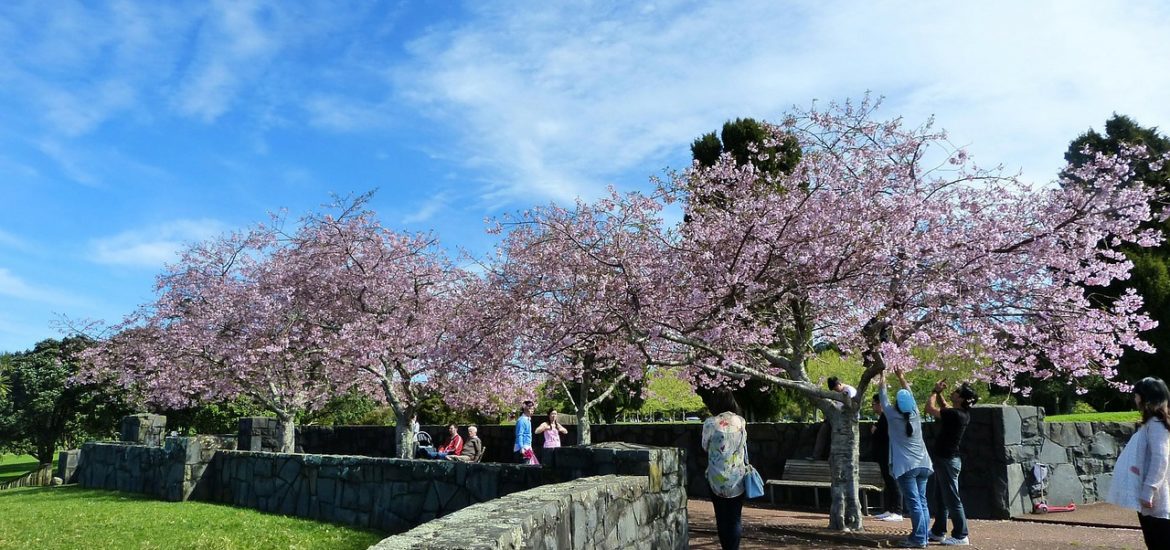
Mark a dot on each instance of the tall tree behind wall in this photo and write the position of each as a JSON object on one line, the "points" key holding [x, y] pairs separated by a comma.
{"points": [[1151, 271], [43, 411], [758, 400]]}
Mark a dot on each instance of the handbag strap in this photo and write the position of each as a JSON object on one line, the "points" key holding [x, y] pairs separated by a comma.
{"points": [[746, 462]]}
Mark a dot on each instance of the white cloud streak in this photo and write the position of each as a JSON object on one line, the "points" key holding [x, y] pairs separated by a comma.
{"points": [[152, 247], [557, 100], [14, 286]]}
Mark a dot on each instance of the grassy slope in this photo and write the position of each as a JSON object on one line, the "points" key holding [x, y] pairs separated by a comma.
{"points": [[13, 466], [71, 517], [1129, 416]]}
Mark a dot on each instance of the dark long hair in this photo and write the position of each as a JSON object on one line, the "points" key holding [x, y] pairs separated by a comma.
{"points": [[968, 394], [1155, 399], [721, 401]]}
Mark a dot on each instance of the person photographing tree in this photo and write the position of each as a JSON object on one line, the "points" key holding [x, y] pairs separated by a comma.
{"points": [[953, 422]]}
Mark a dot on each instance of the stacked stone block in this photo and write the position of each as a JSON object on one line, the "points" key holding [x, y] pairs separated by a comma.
{"points": [[143, 429], [260, 433], [172, 472], [67, 465]]}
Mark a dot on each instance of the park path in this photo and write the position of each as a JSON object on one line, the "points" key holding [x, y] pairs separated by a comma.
{"points": [[1091, 526]]}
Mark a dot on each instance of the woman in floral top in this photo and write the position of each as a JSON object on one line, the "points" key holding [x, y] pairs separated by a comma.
{"points": [[725, 440]]}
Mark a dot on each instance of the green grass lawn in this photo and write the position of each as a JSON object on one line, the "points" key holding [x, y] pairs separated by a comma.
{"points": [[1127, 416], [13, 466], [71, 517]]}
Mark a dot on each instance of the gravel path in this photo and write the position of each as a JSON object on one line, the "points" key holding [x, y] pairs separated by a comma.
{"points": [[800, 530]]}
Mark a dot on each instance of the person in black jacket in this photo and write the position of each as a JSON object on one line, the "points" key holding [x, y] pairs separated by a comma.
{"points": [[953, 422], [879, 451]]}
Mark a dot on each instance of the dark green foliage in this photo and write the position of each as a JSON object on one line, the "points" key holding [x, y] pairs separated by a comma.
{"points": [[1151, 265], [739, 138], [348, 409], [43, 411], [706, 149], [210, 418], [747, 141]]}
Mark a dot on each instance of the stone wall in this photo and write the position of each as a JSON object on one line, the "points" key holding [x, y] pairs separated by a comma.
{"points": [[172, 472], [349, 440], [388, 494], [260, 433], [143, 429], [609, 495], [1000, 446], [594, 512], [1080, 456], [394, 495]]}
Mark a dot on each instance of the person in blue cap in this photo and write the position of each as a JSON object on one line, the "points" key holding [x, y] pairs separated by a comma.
{"points": [[909, 462]]}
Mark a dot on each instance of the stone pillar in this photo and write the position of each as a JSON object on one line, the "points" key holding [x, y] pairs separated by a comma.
{"points": [[260, 433], [67, 465], [144, 429]]}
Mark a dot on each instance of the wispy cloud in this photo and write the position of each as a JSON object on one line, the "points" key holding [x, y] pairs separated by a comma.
{"points": [[9, 240], [556, 100], [14, 286], [151, 247], [429, 208]]}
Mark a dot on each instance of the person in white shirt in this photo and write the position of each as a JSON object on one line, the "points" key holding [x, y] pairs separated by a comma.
{"points": [[1140, 475], [821, 447]]}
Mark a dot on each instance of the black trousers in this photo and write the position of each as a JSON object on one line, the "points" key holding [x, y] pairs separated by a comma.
{"points": [[728, 520], [1156, 532], [891, 494]]}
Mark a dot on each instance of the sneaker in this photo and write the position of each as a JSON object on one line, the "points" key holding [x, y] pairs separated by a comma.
{"points": [[892, 517], [937, 538], [907, 543], [952, 541], [882, 515]]}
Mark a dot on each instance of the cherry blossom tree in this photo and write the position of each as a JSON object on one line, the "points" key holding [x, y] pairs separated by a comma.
{"points": [[410, 323], [236, 316], [566, 274], [882, 240]]}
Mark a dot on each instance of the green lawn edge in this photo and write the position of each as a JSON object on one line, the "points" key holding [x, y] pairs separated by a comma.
{"points": [[71, 517]]}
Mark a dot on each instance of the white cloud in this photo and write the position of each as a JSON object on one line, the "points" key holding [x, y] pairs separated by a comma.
{"points": [[555, 100], [9, 240], [428, 209], [151, 247], [14, 286]]}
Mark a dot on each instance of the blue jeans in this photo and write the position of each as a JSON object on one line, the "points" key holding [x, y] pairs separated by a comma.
{"points": [[913, 486], [728, 520], [946, 493]]}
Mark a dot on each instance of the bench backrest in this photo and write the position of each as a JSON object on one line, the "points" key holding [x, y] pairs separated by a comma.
{"points": [[818, 470]]}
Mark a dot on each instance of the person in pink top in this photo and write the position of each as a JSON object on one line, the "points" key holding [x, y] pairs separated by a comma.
{"points": [[552, 431]]}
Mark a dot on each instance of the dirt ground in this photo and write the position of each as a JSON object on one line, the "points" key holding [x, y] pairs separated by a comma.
{"points": [[1091, 526]]}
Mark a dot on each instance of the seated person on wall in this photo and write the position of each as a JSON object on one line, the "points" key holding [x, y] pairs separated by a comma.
{"points": [[454, 445], [472, 449]]}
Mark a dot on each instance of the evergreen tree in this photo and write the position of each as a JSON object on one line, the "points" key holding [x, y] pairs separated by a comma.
{"points": [[1151, 271]]}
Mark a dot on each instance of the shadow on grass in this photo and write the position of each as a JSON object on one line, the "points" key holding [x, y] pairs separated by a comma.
{"points": [[43, 494]]}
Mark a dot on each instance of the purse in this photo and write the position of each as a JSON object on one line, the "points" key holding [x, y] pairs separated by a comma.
{"points": [[753, 484]]}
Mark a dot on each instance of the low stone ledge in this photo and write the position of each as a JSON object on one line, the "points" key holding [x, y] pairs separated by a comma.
{"points": [[607, 511]]}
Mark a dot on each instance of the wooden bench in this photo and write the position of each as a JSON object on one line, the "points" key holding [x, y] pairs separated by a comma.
{"points": [[814, 474]]}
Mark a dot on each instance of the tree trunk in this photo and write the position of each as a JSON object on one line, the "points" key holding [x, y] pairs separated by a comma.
{"points": [[288, 433], [584, 436], [403, 434], [845, 510], [45, 454]]}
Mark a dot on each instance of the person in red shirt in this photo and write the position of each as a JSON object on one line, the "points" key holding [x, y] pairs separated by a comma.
{"points": [[454, 445]]}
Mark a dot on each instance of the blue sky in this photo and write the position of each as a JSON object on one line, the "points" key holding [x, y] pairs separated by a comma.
{"points": [[128, 128]]}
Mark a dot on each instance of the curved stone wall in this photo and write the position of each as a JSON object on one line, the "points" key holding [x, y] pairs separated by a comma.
{"points": [[595, 512]]}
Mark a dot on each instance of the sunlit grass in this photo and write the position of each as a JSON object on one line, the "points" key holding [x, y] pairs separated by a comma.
{"points": [[71, 517], [13, 466], [1127, 416]]}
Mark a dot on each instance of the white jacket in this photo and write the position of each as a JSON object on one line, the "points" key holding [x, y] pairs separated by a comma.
{"points": [[1141, 471]]}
